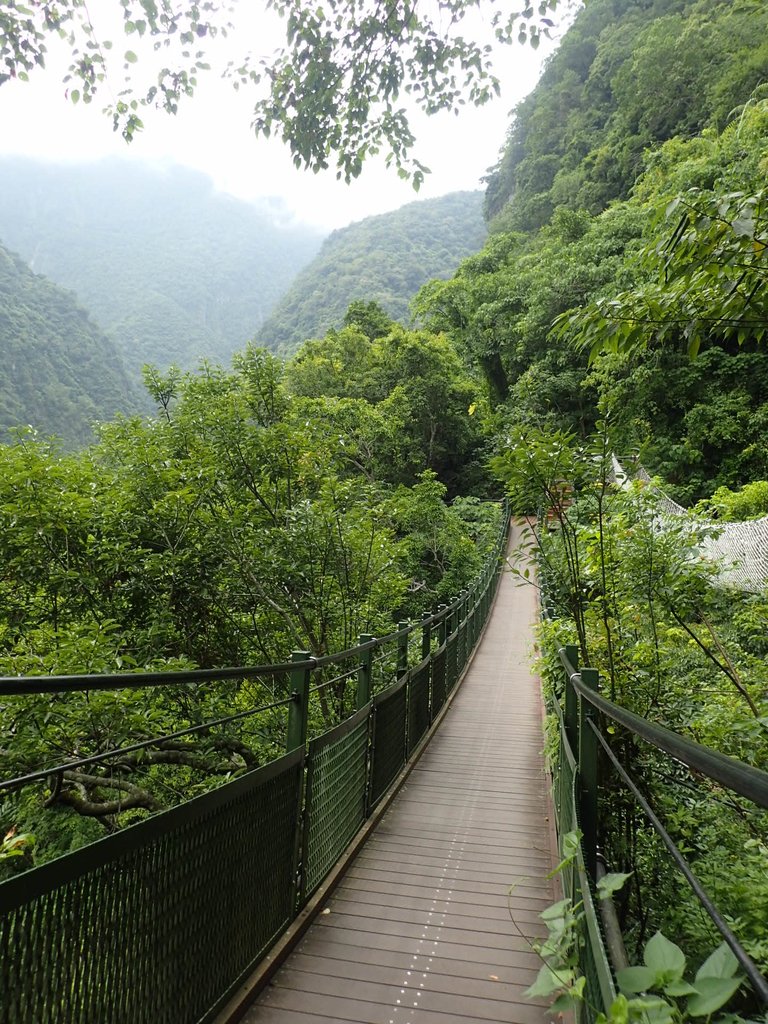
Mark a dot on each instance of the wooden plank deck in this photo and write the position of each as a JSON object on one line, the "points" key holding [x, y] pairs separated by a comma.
{"points": [[422, 929]]}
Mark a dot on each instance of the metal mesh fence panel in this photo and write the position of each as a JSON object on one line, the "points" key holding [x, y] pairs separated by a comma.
{"points": [[160, 923], [335, 805], [438, 681], [461, 647], [451, 663], [388, 743], [418, 704], [474, 631], [739, 548], [599, 990], [157, 924]]}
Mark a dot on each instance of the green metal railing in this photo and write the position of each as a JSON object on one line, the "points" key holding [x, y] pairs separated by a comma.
{"points": [[161, 922], [582, 750]]}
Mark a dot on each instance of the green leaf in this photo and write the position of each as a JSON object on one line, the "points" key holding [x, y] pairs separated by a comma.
{"points": [[565, 1003], [664, 957], [679, 988], [611, 883], [636, 979], [711, 994], [653, 1009], [719, 964], [555, 910], [548, 982], [570, 848], [619, 1013], [570, 843], [130, 56]]}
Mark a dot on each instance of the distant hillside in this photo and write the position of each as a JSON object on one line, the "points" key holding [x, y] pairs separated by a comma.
{"points": [[628, 75], [172, 270], [58, 372], [384, 259]]}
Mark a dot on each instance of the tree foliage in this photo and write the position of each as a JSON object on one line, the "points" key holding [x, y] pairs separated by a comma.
{"points": [[632, 589], [628, 75], [708, 265], [244, 520], [676, 268], [423, 400], [333, 92]]}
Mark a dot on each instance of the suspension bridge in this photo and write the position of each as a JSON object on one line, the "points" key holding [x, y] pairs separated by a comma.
{"points": [[390, 869]]}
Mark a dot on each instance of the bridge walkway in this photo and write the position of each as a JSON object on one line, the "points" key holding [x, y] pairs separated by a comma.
{"points": [[423, 928]]}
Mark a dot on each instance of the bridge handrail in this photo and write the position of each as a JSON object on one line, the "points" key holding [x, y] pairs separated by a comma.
{"points": [[741, 778], [19, 685], [577, 761], [302, 662]]}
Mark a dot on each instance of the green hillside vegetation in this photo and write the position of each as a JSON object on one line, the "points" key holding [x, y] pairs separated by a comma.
{"points": [[173, 271], [59, 373], [702, 423], [628, 75], [384, 259]]}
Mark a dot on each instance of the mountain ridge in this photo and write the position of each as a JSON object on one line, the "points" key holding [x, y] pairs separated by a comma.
{"points": [[59, 372], [385, 258], [173, 271]]}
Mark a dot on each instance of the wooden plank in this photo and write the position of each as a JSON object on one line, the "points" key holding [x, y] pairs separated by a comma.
{"points": [[475, 977], [492, 959], [446, 974], [414, 895], [433, 884], [403, 1008], [432, 935], [441, 913], [413, 991], [453, 858], [395, 907], [537, 863]]}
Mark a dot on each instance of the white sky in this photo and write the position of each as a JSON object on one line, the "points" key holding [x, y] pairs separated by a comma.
{"points": [[212, 134]]}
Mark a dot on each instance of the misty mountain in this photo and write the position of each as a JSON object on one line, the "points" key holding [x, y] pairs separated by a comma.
{"points": [[58, 371], [385, 258], [171, 270]]}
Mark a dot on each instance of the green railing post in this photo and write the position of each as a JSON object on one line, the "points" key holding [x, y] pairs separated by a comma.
{"points": [[571, 709], [365, 672], [588, 772], [468, 643], [443, 623], [402, 649], [298, 709], [426, 634]]}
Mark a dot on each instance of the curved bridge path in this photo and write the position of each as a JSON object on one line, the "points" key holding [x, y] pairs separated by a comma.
{"points": [[422, 929]]}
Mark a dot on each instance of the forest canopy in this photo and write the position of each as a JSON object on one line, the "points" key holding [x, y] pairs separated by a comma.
{"points": [[262, 509]]}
